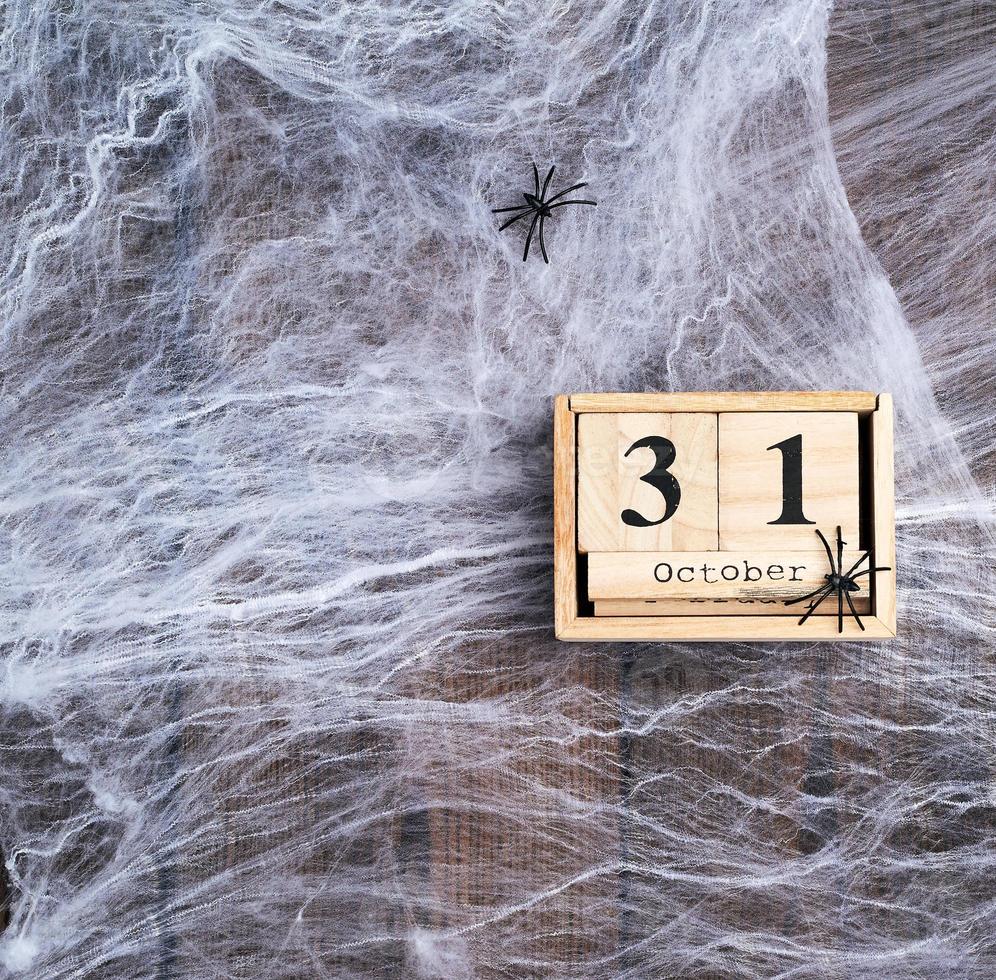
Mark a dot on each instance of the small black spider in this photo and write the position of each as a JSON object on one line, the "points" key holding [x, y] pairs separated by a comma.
{"points": [[540, 207], [839, 583]]}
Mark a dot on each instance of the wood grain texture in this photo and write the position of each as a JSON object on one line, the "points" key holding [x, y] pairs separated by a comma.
{"points": [[713, 607], [884, 510], [751, 479], [863, 402], [719, 629], [710, 575], [565, 602], [609, 482], [486, 860]]}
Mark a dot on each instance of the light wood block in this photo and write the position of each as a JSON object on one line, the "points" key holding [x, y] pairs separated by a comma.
{"points": [[784, 474], [862, 402], [565, 559], [884, 511], [716, 607], [612, 492], [719, 629], [712, 574]]}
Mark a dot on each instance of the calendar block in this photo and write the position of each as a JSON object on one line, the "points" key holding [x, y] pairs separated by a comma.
{"points": [[692, 516], [647, 481], [712, 574], [782, 475]]}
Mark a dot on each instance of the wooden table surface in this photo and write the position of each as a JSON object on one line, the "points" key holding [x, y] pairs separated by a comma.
{"points": [[474, 860]]}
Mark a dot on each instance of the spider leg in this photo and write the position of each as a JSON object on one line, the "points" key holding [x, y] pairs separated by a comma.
{"points": [[511, 221], [529, 237], [514, 207], [824, 593], [847, 574], [542, 243], [566, 190], [820, 596], [840, 551], [840, 609], [868, 571], [803, 598], [560, 204], [546, 183], [854, 612], [536, 181], [826, 546]]}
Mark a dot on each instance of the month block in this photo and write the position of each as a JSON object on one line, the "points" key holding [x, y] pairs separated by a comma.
{"points": [[782, 475], [647, 481], [713, 574]]}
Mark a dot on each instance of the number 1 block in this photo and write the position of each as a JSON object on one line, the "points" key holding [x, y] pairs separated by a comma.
{"points": [[647, 482], [782, 475]]}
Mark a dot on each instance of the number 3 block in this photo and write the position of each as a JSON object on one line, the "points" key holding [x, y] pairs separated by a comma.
{"points": [[647, 482], [782, 475]]}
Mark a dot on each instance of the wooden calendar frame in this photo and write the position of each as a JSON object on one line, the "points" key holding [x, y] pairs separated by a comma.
{"points": [[874, 411]]}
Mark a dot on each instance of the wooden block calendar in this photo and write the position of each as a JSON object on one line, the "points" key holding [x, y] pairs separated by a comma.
{"points": [[724, 516]]}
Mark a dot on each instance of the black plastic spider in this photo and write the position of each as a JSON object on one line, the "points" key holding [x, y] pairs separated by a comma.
{"points": [[839, 583], [540, 207]]}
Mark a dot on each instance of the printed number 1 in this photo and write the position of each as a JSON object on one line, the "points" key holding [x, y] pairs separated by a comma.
{"points": [[791, 450], [663, 482]]}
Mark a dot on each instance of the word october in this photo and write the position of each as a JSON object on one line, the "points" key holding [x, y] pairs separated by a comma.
{"points": [[664, 572]]}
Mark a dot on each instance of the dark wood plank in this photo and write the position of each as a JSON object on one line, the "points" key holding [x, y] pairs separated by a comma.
{"points": [[523, 860]]}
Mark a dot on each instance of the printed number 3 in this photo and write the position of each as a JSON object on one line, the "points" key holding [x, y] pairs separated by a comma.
{"points": [[659, 478]]}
